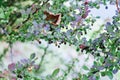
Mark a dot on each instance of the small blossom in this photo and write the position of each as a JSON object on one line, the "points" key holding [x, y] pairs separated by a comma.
{"points": [[28, 11], [25, 61], [14, 78], [82, 46], [108, 64], [100, 68], [36, 67], [92, 78], [11, 66], [47, 27], [115, 71]]}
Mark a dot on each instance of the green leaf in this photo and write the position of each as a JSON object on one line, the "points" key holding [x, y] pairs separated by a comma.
{"points": [[55, 72], [101, 59], [85, 67], [84, 77], [102, 73], [32, 56], [97, 17], [109, 74], [77, 49], [104, 1]]}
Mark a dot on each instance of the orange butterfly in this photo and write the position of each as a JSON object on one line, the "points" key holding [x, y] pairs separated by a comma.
{"points": [[55, 18]]}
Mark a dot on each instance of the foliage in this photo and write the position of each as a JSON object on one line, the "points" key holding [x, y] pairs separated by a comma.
{"points": [[29, 23]]}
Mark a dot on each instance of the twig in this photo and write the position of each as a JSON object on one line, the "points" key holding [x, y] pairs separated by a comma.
{"points": [[43, 57], [11, 53], [68, 71], [117, 6], [32, 14]]}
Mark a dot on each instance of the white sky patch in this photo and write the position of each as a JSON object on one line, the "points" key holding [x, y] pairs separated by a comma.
{"points": [[97, 25], [51, 2], [67, 3], [104, 13]]}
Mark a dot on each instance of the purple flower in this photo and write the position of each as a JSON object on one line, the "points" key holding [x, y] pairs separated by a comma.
{"points": [[28, 11], [84, 40], [108, 53], [93, 66], [35, 24], [119, 62], [36, 67], [58, 30], [35, 32], [47, 27], [12, 66], [108, 27], [108, 24], [19, 65], [115, 71], [108, 64], [73, 24], [25, 61], [78, 19], [68, 33], [92, 78], [100, 68], [116, 12]]}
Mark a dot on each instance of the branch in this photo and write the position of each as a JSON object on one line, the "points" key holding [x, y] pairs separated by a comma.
{"points": [[11, 53], [32, 13], [69, 69], [43, 57], [117, 6]]}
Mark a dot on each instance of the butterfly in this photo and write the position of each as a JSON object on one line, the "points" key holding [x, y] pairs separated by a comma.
{"points": [[55, 18]]}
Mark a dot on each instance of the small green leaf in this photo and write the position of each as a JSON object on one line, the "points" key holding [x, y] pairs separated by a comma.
{"points": [[104, 1], [102, 73], [32, 56], [97, 17], [101, 59], [85, 67], [84, 77], [109, 74], [77, 49], [55, 72]]}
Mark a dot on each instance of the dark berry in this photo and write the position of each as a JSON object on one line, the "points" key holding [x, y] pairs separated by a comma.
{"points": [[106, 7]]}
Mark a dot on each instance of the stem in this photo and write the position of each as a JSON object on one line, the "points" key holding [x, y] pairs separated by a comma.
{"points": [[117, 6], [28, 18], [43, 57], [11, 54], [3, 54], [68, 71]]}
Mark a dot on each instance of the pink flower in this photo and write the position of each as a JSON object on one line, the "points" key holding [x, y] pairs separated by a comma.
{"points": [[82, 46], [11, 66], [14, 78]]}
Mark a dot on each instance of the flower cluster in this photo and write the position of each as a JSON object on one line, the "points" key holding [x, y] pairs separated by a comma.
{"points": [[58, 24], [22, 69]]}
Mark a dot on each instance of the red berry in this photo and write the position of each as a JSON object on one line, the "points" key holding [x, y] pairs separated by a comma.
{"points": [[82, 46], [86, 3]]}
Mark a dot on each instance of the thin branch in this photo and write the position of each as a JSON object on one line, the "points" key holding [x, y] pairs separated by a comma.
{"points": [[117, 5], [32, 14], [69, 70], [43, 56], [11, 53]]}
